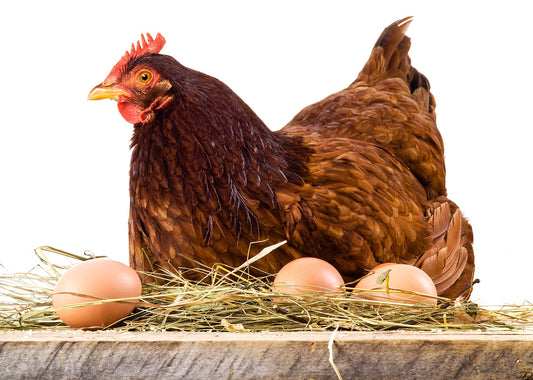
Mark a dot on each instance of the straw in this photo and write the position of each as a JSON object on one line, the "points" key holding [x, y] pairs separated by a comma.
{"points": [[232, 299]]}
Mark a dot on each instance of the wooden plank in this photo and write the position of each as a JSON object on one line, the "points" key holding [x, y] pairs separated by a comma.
{"points": [[72, 354]]}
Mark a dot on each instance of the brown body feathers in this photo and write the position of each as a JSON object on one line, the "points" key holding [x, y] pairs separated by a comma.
{"points": [[357, 179]]}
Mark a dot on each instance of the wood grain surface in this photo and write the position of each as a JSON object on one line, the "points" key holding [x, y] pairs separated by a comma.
{"points": [[72, 354]]}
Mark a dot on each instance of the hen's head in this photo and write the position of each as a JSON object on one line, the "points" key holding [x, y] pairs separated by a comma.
{"points": [[137, 82]]}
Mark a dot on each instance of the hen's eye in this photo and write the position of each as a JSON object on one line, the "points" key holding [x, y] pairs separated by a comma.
{"points": [[144, 76]]}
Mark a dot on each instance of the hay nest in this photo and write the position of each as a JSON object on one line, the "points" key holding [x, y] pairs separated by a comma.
{"points": [[231, 299]]}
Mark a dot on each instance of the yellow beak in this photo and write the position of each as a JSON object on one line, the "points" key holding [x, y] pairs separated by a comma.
{"points": [[104, 92]]}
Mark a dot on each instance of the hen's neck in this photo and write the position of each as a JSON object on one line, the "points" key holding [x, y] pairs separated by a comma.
{"points": [[215, 156], [214, 142]]}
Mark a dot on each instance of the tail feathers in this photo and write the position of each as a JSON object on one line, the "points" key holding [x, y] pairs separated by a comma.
{"points": [[394, 44], [420, 89], [390, 59], [450, 261]]}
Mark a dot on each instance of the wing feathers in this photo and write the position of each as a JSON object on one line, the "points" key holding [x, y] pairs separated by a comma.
{"points": [[446, 261]]}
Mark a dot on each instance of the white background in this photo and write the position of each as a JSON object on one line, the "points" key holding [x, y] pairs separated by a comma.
{"points": [[64, 160]]}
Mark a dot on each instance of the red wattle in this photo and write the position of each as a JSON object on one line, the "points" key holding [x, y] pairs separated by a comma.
{"points": [[130, 112]]}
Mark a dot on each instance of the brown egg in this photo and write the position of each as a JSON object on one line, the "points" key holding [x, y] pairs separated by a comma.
{"points": [[93, 280], [401, 277], [307, 275]]}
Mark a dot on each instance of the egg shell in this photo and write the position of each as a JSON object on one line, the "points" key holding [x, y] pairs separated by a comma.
{"points": [[101, 279], [401, 277], [307, 275]]}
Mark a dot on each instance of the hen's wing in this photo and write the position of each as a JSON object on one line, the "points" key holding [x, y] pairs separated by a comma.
{"points": [[359, 207]]}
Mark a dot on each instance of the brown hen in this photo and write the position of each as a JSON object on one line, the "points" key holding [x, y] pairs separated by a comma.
{"points": [[357, 179]]}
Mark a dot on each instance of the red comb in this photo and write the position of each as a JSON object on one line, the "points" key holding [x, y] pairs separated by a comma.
{"points": [[144, 47]]}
